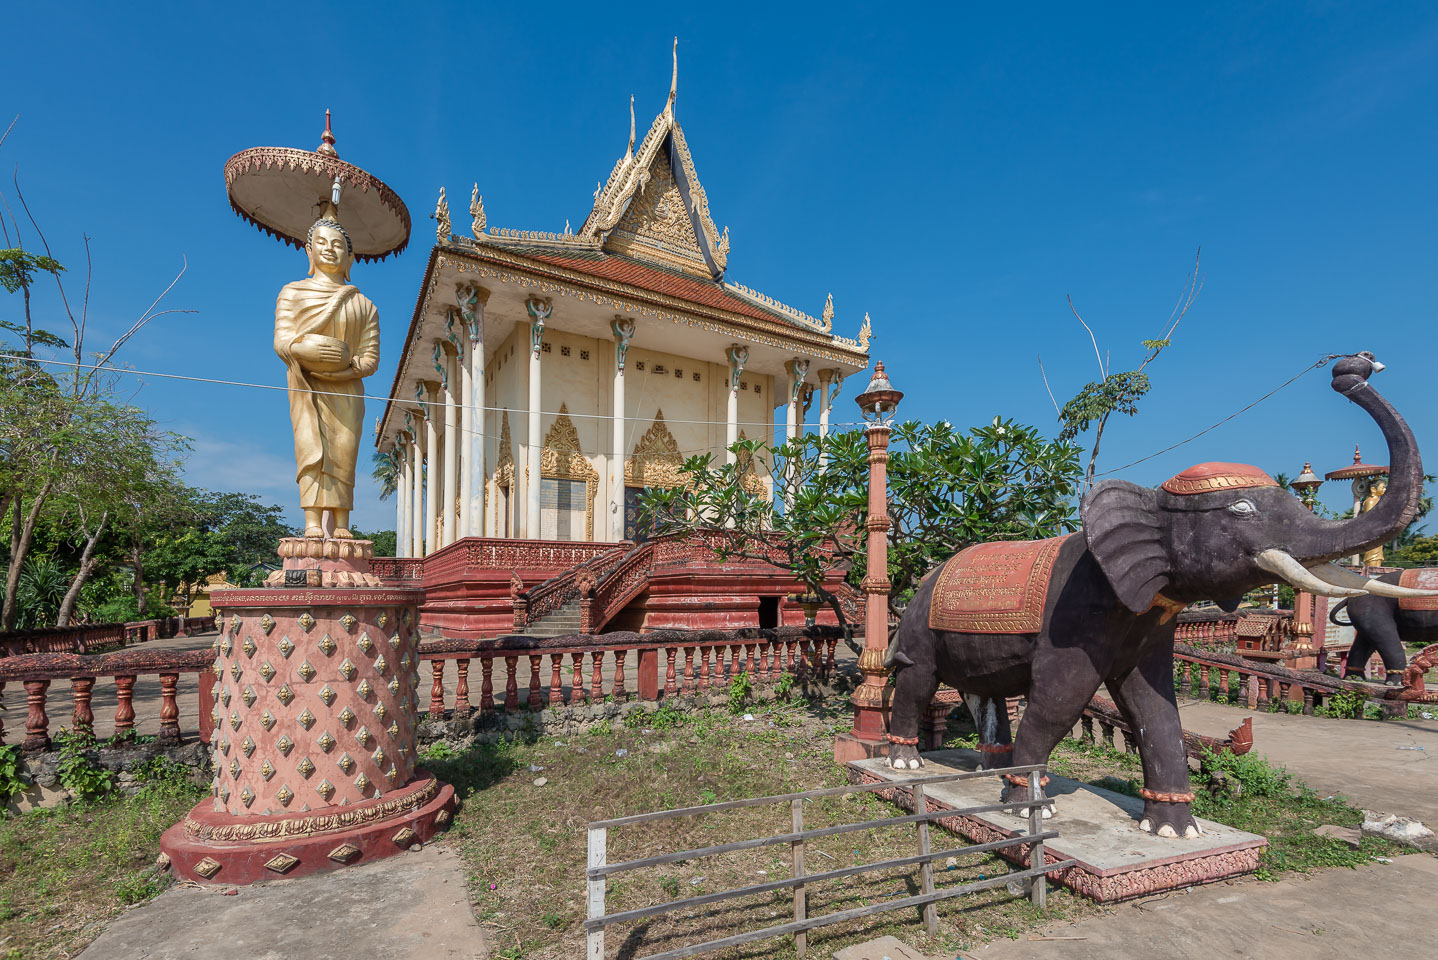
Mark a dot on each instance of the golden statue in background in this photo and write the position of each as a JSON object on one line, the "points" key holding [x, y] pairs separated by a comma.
{"points": [[1377, 487], [327, 333]]}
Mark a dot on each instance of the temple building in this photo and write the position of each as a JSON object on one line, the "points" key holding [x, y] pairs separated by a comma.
{"points": [[546, 378]]}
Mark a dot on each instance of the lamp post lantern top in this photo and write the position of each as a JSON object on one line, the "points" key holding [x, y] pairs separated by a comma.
{"points": [[1307, 484], [879, 400]]}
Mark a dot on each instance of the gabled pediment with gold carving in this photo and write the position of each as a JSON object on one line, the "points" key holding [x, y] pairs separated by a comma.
{"points": [[656, 460], [653, 207]]}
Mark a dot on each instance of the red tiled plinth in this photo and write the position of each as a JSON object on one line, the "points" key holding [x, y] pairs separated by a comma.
{"points": [[848, 748], [212, 846], [315, 698], [314, 742]]}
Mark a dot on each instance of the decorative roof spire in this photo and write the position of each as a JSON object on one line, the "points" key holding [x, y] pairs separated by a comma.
{"points": [[629, 152], [327, 140], [828, 314], [441, 219], [476, 211], [673, 80]]}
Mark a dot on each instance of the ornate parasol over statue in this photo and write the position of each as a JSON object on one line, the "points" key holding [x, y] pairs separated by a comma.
{"points": [[326, 331], [283, 191]]}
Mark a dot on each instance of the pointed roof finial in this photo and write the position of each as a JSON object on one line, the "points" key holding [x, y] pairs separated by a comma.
{"points": [[630, 151], [478, 220], [327, 140], [674, 79], [828, 313]]}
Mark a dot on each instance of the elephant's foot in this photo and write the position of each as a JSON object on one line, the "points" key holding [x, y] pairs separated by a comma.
{"points": [[904, 752], [1393, 679], [1016, 790], [1168, 815]]}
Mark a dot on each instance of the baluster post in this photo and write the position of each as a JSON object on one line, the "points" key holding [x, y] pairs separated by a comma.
{"points": [[436, 690], [461, 688], [124, 704], [670, 687], [169, 708], [556, 680], [2, 712], [80, 691], [689, 677], [486, 683], [620, 694], [511, 683], [37, 724], [535, 661], [577, 692], [703, 683], [596, 679], [829, 645]]}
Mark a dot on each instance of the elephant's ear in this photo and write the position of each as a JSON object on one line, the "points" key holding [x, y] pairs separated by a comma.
{"points": [[1121, 524]]}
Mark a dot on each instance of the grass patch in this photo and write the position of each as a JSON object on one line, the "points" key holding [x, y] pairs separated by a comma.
{"points": [[65, 871], [524, 846]]}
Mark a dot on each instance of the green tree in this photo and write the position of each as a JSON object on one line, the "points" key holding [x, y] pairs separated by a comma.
{"points": [[46, 421], [231, 533], [385, 473], [947, 490]]}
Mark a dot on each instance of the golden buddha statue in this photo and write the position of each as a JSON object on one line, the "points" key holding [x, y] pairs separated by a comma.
{"points": [[1376, 488], [327, 333]]}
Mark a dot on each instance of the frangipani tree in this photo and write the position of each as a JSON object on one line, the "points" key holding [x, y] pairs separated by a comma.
{"points": [[947, 489]]}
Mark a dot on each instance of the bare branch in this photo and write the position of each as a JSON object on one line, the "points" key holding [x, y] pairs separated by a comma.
{"points": [[1102, 373], [1052, 399], [1191, 290], [8, 129], [149, 314]]}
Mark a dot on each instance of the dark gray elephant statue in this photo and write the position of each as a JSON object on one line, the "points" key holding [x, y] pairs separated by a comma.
{"points": [[1101, 605], [1382, 625]]}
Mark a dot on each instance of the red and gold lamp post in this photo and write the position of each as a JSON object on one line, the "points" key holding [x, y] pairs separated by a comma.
{"points": [[878, 404]]}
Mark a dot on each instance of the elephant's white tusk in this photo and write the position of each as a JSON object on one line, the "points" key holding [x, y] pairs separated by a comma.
{"points": [[1277, 562], [1341, 577]]}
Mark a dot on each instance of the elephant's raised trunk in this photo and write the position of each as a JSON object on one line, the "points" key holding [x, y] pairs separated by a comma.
{"points": [[1399, 505]]}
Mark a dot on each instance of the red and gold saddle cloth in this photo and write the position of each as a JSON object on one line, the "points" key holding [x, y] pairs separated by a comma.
{"points": [[1421, 578], [995, 587]]}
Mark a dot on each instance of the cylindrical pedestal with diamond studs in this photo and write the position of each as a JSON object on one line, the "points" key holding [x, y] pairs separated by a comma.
{"points": [[314, 742]]}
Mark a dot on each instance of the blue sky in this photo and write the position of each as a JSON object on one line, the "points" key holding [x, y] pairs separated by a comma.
{"points": [[956, 172]]}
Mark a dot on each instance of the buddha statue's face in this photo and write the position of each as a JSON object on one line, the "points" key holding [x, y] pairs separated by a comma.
{"points": [[329, 253]]}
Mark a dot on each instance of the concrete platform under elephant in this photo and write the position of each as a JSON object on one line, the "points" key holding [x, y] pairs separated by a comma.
{"points": [[1096, 827]]}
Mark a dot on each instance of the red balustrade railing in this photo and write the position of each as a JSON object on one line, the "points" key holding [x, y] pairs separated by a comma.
{"points": [[575, 583], [1208, 674], [95, 637], [616, 589], [398, 571], [584, 669], [36, 672]]}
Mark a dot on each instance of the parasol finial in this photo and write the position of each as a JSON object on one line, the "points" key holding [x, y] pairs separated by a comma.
{"points": [[327, 140]]}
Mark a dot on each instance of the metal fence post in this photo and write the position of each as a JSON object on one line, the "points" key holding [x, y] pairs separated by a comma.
{"points": [[598, 857], [926, 869], [1038, 890], [801, 909]]}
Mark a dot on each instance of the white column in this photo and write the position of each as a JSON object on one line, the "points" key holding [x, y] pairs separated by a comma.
{"points": [[829, 382], [539, 311], [401, 498], [472, 300], [431, 479], [797, 370], [450, 486], [415, 527], [738, 357], [623, 329]]}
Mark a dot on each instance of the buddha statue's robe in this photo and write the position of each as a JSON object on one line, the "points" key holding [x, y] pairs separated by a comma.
{"points": [[327, 423]]}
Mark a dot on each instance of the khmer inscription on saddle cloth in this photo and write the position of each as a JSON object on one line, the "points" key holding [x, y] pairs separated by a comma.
{"points": [[995, 587], [1423, 578]]}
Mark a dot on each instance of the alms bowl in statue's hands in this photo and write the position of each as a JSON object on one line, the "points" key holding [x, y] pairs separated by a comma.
{"points": [[321, 354]]}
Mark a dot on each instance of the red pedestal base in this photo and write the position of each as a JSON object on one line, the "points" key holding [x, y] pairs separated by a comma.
{"points": [[848, 748], [216, 847]]}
